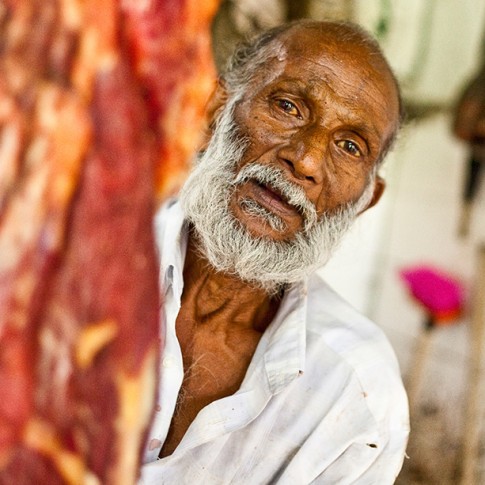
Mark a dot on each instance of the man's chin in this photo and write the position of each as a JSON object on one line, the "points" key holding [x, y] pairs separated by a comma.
{"points": [[259, 227]]}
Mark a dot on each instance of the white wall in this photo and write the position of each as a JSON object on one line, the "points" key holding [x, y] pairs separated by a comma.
{"points": [[417, 223]]}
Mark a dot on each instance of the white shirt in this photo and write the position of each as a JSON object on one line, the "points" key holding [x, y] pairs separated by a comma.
{"points": [[322, 400]]}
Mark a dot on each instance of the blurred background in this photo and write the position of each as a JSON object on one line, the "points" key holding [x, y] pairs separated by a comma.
{"points": [[435, 47]]}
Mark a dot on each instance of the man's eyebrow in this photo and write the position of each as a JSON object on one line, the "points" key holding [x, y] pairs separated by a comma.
{"points": [[294, 83], [366, 127], [312, 87]]}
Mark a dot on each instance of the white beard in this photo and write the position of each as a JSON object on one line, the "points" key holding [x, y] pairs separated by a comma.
{"points": [[224, 240]]}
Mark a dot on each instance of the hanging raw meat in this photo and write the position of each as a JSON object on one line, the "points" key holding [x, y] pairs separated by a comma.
{"points": [[99, 104]]}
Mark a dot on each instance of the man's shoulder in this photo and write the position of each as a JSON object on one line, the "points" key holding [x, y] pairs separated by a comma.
{"points": [[351, 391], [357, 343], [327, 311]]}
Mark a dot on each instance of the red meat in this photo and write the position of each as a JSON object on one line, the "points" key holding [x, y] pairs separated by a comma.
{"points": [[92, 96]]}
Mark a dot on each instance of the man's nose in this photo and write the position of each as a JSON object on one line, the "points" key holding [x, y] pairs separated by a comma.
{"points": [[305, 154]]}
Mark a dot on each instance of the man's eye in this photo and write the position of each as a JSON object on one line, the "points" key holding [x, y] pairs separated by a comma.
{"points": [[349, 147], [288, 107]]}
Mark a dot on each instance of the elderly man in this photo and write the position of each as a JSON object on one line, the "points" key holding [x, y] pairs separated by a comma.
{"points": [[267, 375]]}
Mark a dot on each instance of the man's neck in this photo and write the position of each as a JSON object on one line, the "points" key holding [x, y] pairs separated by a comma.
{"points": [[224, 296], [219, 325]]}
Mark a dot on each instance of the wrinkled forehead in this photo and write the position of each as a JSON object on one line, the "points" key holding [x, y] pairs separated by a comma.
{"points": [[348, 61], [337, 42]]}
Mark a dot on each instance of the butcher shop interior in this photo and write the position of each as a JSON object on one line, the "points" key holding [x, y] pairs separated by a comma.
{"points": [[92, 142]]}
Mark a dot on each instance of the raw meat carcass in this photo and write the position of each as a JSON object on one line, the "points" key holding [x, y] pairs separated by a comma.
{"points": [[100, 102]]}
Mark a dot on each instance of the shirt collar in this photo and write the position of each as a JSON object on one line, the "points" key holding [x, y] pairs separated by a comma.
{"points": [[172, 237], [284, 356]]}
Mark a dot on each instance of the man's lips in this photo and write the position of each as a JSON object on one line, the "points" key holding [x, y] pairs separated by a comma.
{"points": [[270, 199]]}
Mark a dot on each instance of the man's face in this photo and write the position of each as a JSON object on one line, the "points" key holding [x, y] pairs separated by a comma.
{"points": [[289, 164], [323, 117], [225, 241]]}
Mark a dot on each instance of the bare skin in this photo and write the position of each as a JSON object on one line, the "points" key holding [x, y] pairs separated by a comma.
{"points": [[324, 119], [218, 332]]}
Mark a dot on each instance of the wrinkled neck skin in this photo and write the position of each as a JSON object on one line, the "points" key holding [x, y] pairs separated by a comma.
{"points": [[224, 298]]}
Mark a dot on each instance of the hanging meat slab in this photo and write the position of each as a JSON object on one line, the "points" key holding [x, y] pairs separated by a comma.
{"points": [[99, 104]]}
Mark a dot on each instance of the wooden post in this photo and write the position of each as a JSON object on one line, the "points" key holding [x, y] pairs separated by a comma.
{"points": [[297, 9], [416, 372], [471, 429]]}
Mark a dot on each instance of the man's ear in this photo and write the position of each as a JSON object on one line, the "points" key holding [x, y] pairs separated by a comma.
{"points": [[216, 103], [379, 186]]}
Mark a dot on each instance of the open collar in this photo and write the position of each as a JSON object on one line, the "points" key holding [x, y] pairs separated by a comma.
{"points": [[172, 239], [284, 356], [283, 344]]}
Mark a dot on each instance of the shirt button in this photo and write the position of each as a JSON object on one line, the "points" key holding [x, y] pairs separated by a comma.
{"points": [[154, 444], [168, 362]]}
